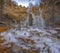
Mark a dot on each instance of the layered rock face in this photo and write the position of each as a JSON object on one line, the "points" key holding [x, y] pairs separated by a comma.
{"points": [[1, 7], [51, 11], [35, 10], [10, 12]]}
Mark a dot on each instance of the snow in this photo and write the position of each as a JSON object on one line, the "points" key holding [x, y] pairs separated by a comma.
{"points": [[53, 31], [44, 40], [54, 50], [10, 38]]}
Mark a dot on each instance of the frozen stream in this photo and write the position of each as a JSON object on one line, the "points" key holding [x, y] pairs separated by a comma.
{"points": [[44, 42]]}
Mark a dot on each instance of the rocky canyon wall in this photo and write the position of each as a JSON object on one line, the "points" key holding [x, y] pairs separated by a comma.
{"points": [[51, 11], [9, 12]]}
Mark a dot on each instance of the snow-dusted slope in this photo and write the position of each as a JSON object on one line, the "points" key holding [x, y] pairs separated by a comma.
{"points": [[41, 40]]}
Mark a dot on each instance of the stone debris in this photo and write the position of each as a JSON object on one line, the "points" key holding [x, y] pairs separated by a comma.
{"points": [[29, 41]]}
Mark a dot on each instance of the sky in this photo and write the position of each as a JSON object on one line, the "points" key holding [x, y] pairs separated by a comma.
{"points": [[26, 2]]}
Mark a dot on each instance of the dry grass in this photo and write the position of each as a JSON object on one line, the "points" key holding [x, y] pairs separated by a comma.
{"points": [[2, 29]]}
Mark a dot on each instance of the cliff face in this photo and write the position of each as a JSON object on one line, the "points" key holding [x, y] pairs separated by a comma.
{"points": [[51, 11], [1, 7], [14, 11], [10, 12], [35, 10]]}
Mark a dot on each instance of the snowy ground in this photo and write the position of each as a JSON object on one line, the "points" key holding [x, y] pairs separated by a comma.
{"points": [[44, 42]]}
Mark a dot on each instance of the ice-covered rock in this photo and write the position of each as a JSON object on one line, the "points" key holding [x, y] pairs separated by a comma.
{"points": [[53, 31], [43, 40]]}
